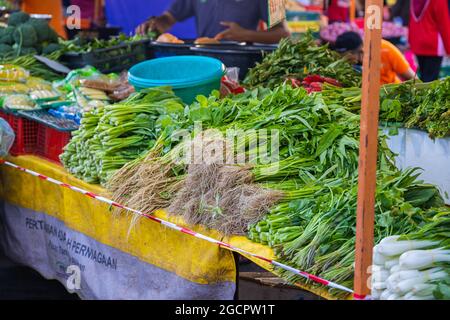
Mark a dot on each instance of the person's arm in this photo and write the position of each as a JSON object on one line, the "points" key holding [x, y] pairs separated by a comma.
{"points": [[161, 24], [179, 10], [236, 33]]}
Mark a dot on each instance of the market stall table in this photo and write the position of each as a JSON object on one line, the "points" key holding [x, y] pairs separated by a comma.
{"points": [[50, 228]]}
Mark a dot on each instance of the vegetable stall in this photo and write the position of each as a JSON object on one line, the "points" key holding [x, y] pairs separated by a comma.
{"points": [[110, 158]]}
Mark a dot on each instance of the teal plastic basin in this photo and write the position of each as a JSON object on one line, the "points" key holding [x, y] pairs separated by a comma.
{"points": [[188, 76]]}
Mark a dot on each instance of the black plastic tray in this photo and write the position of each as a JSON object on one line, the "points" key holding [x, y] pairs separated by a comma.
{"points": [[243, 57], [113, 59], [49, 120]]}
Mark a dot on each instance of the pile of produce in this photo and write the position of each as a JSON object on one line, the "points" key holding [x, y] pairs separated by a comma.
{"points": [[80, 45], [27, 36], [307, 214], [20, 91], [416, 105], [36, 68], [113, 135], [298, 59], [433, 112], [414, 266]]}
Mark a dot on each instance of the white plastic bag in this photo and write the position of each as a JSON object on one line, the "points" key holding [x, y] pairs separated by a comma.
{"points": [[7, 137]]}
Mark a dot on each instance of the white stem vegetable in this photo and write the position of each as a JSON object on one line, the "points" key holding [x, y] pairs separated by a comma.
{"points": [[380, 276], [395, 269], [379, 259], [404, 286], [398, 247], [390, 263], [422, 290], [389, 239], [395, 278], [419, 259]]}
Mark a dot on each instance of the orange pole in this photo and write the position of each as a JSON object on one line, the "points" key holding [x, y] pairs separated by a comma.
{"points": [[370, 106], [352, 10]]}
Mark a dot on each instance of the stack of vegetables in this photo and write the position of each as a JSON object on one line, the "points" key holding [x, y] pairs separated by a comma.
{"points": [[298, 60], [313, 225], [83, 46], [27, 36], [414, 105], [19, 90], [415, 266], [113, 135]]}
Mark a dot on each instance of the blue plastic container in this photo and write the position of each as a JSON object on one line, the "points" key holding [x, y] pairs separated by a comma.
{"points": [[189, 76]]}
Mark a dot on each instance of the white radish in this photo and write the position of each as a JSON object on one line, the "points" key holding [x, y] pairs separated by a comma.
{"points": [[419, 259], [398, 247]]}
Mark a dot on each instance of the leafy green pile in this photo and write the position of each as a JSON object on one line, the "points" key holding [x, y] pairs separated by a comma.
{"points": [[111, 136], [34, 66], [416, 105], [84, 46], [299, 59], [27, 36], [433, 113], [313, 225]]}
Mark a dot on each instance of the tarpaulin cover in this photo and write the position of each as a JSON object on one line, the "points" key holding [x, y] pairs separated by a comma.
{"points": [[50, 228]]}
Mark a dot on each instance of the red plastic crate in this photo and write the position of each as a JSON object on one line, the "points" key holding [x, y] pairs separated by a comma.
{"points": [[50, 142], [26, 134]]}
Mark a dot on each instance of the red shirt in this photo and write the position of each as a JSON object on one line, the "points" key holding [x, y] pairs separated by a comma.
{"points": [[429, 27], [338, 10]]}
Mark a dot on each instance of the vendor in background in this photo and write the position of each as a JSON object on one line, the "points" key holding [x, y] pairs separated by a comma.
{"points": [[337, 10], [51, 7], [393, 64], [429, 35], [235, 20]]}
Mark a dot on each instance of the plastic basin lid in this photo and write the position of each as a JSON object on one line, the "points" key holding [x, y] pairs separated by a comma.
{"points": [[177, 70]]}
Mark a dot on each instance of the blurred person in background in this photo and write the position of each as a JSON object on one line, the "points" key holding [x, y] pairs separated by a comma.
{"points": [[337, 10], [235, 20], [429, 35], [394, 67]]}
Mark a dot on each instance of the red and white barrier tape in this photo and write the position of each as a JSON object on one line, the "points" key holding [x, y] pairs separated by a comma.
{"points": [[181, 229]]}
